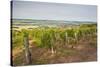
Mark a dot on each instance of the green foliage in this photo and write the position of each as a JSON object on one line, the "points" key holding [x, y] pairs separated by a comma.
{"points": [[47, 37], [70, 32], [25, 32], [17, 39], [63, 37]]}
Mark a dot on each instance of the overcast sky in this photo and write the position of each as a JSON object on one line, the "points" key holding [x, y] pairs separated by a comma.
{"points": [[53, 11]]}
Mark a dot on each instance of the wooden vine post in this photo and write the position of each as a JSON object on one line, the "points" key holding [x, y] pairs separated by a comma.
{"points": [[27, 51]]}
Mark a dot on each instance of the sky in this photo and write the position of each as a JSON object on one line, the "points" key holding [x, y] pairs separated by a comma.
{"points": [[53, 11]]}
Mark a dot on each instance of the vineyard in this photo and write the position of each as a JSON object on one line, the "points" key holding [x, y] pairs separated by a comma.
{"points": [[50, 45]]}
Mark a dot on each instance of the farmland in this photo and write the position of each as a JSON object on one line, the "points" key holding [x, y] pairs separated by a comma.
{"points": [[52, 41]]}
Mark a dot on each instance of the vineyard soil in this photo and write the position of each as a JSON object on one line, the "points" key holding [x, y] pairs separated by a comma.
{"points": [[83, 52]]}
